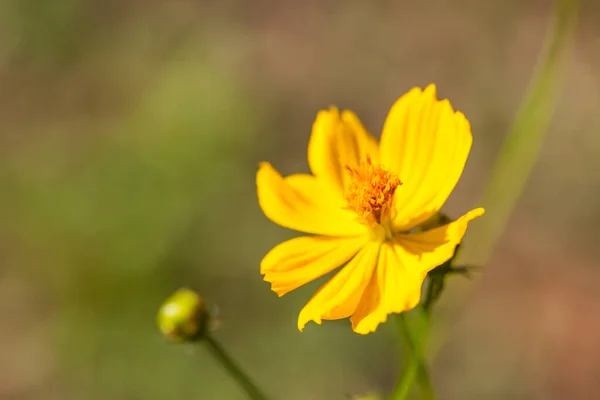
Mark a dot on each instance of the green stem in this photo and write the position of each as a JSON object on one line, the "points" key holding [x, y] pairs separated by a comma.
{"points": [[520, 149], [234, 370], [416, 369]]}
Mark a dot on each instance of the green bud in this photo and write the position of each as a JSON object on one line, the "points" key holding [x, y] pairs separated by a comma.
{"points": [[183, 317]]}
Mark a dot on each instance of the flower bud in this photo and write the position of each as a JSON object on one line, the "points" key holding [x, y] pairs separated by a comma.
{"points": [[183, 317]]}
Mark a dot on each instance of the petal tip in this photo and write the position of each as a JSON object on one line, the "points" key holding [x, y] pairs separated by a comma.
{"points": [[301, 325], [265, 175], [361, 330], [264, 167], [368, 324], [263, 164], [303, 320], [477, 212], [331, 112], [431, 89]]}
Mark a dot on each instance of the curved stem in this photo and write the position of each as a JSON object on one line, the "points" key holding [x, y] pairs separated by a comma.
{"points": [[520, 149], [234, 370]]}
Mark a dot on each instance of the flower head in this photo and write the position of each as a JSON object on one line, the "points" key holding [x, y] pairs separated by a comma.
{"points": [[361, 205]]}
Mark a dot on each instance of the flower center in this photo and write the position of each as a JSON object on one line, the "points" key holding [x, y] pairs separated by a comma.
{"points": [[370, 191]]}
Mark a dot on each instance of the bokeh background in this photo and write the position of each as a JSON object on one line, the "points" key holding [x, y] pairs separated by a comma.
{"points": [[130, 133]]}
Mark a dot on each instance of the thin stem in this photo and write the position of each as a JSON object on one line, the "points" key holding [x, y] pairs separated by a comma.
{"points": [[522, 144], [520, 148], [416, 369], [234, 369], [404, 386]]}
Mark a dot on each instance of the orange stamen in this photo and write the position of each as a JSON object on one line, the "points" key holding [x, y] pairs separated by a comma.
{"points": [[371, 189]]}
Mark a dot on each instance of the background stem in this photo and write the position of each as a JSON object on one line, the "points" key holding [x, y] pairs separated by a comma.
{"points": [[524, 139]]}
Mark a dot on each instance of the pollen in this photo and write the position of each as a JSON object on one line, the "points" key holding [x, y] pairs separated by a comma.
{"points": [[371, 190]]}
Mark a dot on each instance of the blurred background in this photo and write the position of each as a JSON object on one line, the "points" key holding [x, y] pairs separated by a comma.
{"points": [[130, 133]]}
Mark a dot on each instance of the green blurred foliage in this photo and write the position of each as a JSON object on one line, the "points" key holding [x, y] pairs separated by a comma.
{"points": [[112, 215]]}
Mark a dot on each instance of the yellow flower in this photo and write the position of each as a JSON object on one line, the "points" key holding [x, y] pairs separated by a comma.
{"points": [[362, 203]]}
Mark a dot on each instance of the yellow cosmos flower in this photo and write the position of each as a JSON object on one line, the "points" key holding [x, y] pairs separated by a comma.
{"points": [[362, 203]]}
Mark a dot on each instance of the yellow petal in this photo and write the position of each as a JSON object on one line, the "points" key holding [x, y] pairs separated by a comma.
{"points": [[368, 145], [403, 265], [394, 288], [298, 261], [436, 246], [302, 203], [426, 143], [337, 140], [339, 297]]}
